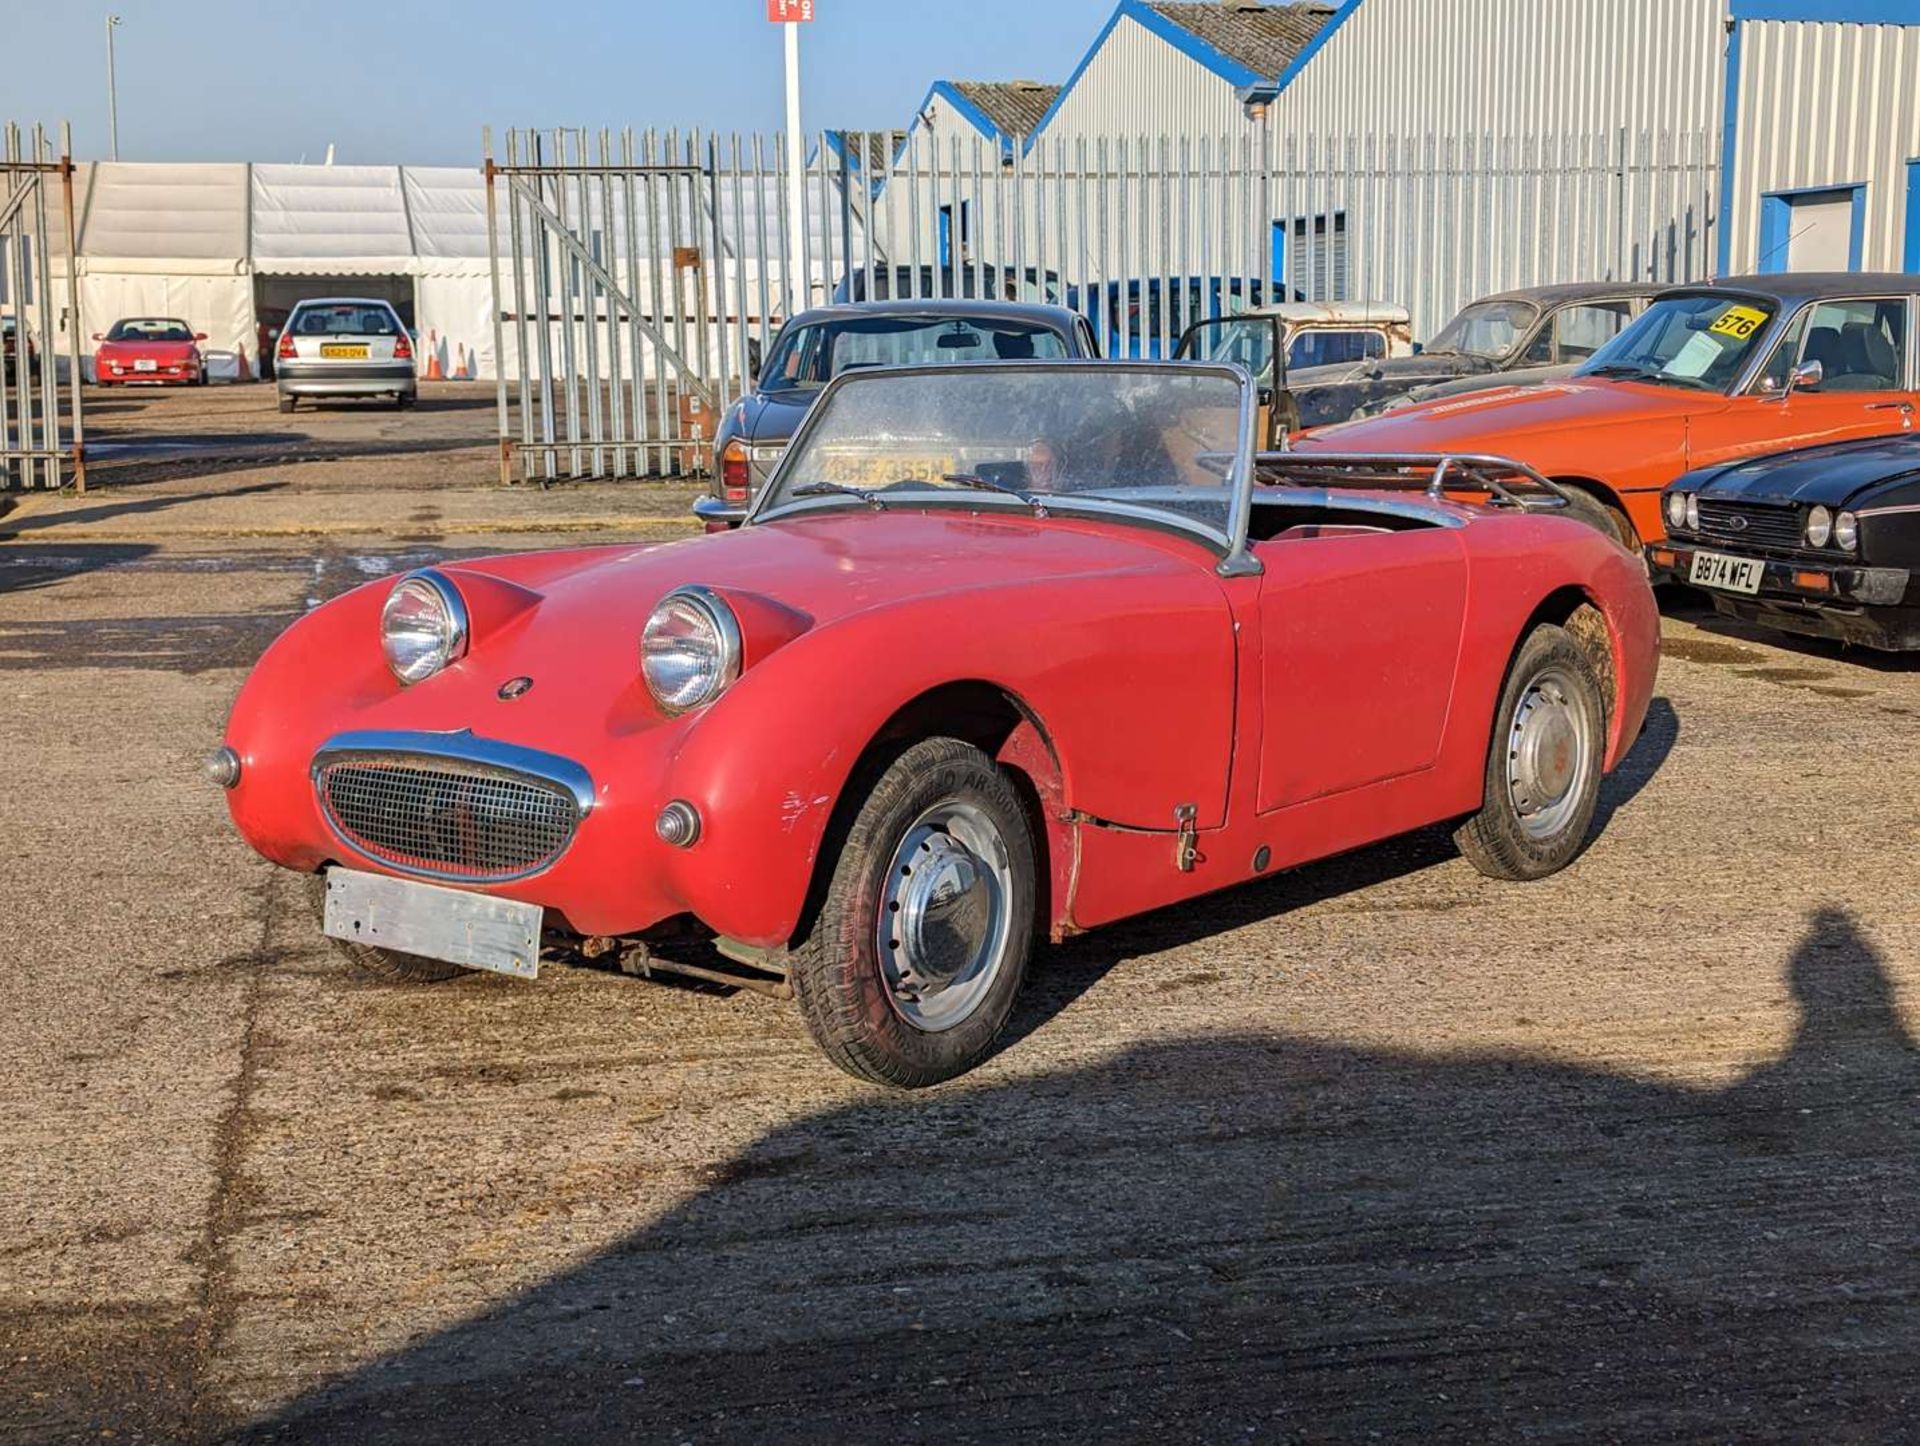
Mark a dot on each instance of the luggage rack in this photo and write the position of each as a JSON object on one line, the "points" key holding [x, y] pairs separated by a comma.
{"points": [[1505, 482]]}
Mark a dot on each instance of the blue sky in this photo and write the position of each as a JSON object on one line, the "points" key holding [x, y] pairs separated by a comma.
{"points": [[414, 80]]}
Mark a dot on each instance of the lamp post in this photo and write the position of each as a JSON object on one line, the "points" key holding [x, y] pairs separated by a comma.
{"points": [[113, 100], [790, 15]]}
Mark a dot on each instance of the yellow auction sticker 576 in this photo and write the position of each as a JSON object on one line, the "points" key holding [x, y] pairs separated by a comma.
{"points": [[1739, 322]]}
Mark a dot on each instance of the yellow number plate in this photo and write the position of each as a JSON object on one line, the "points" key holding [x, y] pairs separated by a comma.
{"points": [[340, 349], [1739, 322], [890, 467]]}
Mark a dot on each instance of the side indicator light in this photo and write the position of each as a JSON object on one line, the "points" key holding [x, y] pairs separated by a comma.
{"points": [[1664, 557], [1812, 582]]}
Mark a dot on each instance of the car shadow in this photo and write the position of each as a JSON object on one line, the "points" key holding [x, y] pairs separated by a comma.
{"points": [[26, 566], [1062, 974], [1252, 1236], [1700, 613], [11, 530]]}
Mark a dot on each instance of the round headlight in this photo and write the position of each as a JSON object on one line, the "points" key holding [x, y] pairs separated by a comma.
{"points": [[1819, 527], [690, 650], [1693, 512], [1846, 531], [423, 627], [1676, 509]]}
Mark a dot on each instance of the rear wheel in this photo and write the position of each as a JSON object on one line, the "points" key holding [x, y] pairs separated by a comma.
{"points": [[385, 964], [403, 400], [1543, 768], [922, 940], [286, 404], [1602, 517]]}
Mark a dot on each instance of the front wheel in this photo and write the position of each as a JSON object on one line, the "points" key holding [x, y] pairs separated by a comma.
{"points": [[921, 942], [1543, 768]]}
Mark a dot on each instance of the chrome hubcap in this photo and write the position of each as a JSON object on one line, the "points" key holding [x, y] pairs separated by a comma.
{"points": [[1549, 754], [942, 931]]}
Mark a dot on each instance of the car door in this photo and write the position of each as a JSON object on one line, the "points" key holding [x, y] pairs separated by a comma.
{"points": [[1360, 639], [1864, 346]]}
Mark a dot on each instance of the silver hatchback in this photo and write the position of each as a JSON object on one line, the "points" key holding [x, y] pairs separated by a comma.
{"points": [[344, 347]]}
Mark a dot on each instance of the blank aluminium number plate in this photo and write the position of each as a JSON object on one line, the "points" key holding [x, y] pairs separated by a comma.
{"points": [[476, 931]]}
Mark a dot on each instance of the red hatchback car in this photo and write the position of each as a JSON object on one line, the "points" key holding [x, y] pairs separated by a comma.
{"points": [[150, 351], [1003, 651]]}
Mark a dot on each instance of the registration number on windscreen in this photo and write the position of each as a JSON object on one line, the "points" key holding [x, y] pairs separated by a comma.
{"points": [[1729, 574]]}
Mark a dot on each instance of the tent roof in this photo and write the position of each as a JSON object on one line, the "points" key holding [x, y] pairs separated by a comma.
{"points": [[153, 212], [330, 219]]}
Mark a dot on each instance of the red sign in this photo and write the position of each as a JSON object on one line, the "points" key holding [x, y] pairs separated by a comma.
{"points": [[783, 11]]}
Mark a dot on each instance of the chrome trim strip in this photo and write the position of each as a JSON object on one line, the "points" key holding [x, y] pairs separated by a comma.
{"points": [[460, 747]]}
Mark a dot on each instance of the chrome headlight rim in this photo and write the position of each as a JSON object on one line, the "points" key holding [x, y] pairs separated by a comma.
{"points": [[1846, 530], [455, 628], [1819, 526], [1693, 512], [719, 617], [1676, 509]]}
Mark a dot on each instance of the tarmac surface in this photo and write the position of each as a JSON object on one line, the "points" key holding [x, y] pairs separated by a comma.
{"points": [[1379, 1149]]}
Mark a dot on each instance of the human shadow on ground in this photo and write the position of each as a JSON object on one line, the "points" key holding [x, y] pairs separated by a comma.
{"points": [[1254, 1236]]}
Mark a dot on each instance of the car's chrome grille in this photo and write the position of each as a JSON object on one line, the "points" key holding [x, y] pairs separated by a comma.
{"points": [[1750, 524], [446, 818]]}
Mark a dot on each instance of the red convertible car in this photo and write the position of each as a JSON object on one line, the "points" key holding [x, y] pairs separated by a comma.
{"points": [[150, 350], [1003, 651]]}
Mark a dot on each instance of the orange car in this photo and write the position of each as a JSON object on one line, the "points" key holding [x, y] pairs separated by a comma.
{"points": [[1738, 368]]}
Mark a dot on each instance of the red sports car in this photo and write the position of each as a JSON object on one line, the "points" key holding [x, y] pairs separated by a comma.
{"points": [[1003, 651], [150, 350]]}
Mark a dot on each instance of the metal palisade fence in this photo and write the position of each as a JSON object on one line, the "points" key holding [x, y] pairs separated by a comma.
{"points": [[41, 433], [640, 278]]}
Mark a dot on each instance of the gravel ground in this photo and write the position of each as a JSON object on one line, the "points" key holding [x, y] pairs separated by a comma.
{"points": [[1378, 1149]]}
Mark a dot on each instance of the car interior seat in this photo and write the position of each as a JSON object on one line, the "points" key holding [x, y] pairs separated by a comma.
{"points": [[1868, 361]]}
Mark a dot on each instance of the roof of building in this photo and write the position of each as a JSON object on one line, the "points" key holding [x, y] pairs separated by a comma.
{"points": [[1266, 39], [1014, 107]]}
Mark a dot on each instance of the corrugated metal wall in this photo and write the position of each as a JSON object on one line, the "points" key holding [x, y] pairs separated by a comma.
{"points": [[1826, 105], [1461, 67]]}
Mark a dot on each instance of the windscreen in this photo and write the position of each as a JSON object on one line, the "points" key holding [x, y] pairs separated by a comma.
{"points": [[150, 329], [1111, 437], [809, 356], [1490, 329], [1702, 342], [1242, 340]]}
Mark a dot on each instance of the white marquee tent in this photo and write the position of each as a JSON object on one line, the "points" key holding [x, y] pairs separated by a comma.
{"points": [[228, 247]]}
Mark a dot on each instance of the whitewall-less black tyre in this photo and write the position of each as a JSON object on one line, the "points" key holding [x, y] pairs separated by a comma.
{"points": [[1544, 764], [922, 937]]}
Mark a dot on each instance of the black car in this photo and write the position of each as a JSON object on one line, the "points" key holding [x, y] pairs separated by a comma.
{"points": [[1533, 334], [816, 346], [1824, 541]]}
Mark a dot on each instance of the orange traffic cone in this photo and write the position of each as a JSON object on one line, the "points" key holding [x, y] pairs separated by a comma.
{"points": [[433, 357], [460, 371]]}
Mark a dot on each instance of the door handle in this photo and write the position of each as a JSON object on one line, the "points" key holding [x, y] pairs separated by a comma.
{"points": [[1906, 407]]}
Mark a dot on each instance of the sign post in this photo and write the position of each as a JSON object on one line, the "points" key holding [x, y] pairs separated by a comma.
{"points": [[791, 14]]}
